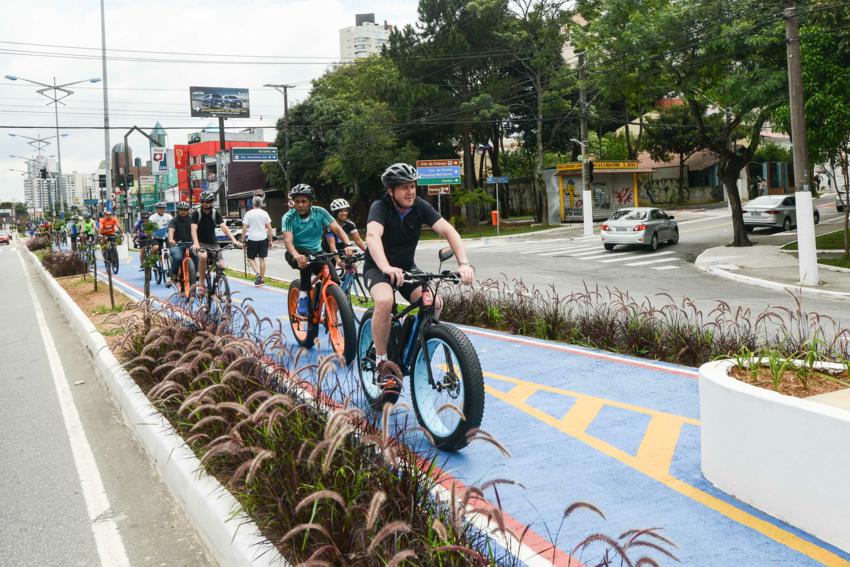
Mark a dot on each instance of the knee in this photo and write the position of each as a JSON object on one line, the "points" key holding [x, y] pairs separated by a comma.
{"points": [[383, 305]]}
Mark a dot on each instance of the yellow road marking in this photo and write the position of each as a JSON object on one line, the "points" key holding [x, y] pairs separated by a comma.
{"points": [[654, 455]]}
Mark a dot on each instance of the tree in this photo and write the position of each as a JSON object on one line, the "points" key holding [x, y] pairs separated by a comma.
{"points": [[535, 36], [825, 51], [724, 57], [674, 133]]}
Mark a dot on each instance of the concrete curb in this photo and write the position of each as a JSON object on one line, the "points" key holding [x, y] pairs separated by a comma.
{"points": [[230, 536], [740, 278]]}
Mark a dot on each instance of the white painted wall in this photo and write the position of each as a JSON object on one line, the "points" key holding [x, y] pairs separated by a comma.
{"points": [[786, 456]]}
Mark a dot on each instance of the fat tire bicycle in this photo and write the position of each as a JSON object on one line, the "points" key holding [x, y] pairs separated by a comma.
{"points": [[216, 291], [329, 307], [110, 254], [186, 273], [446, 382]]}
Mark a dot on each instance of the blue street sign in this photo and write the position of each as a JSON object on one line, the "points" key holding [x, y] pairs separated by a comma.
{"points": [[492, 180], [253, 154], [89, 202]]}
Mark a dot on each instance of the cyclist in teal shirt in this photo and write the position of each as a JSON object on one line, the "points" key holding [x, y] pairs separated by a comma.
{"points": [[303, 230]]}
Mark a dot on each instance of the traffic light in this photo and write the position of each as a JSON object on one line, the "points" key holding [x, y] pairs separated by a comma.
{"points": [[43, 172], [590, 171], [101, 181]]}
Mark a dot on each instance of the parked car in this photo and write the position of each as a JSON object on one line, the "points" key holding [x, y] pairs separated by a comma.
{"points": [[5, 238], [773, 211], [213, 100], [232, 101], [644, 226], [235, 226]]}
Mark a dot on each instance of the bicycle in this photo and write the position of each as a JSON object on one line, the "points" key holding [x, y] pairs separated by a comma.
{"points": [[352, 279], [447, 385], [162, 268], [329, 306], [217, 286], [186, 273], [110, 254]]}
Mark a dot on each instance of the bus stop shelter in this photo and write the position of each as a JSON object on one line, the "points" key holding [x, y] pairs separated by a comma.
{"points": [[615, 185]]}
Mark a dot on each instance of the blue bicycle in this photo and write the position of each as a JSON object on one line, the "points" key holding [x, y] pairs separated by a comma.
{"points": [[446, 382], [351, 280]]}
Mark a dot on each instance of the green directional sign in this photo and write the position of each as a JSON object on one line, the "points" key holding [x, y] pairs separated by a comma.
{"points": [[439, 181]]}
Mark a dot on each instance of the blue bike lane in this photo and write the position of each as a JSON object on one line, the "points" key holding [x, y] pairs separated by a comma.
{"points": [[582, 425]]}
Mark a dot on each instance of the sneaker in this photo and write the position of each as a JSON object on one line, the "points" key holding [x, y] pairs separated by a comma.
{"points": [[258, 280], [262, 280], [389, 380], [303, 307], [168, 283]]}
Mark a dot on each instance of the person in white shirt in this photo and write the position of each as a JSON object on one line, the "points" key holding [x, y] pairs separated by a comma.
{"points": [[257, 230], [161, 219]]}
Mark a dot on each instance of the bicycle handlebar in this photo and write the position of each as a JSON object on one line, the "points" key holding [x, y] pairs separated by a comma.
{"points": [[422, 277]]}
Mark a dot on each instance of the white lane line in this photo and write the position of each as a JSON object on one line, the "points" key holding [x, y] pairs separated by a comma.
{"points": [[666, 268], [647, 262], [619, 256], [107, 538], [605, 255], [583, 254], [569, 249]]}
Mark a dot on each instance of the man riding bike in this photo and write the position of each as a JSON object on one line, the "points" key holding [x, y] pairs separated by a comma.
{"points": [[74, 232], [205, 244], [109, 225], [179, 231], [340, 210], [392, 234], [161, 219], [303, 228], [142, 236]]}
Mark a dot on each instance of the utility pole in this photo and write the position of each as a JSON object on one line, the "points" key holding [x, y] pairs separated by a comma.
{"points": [[106, 150], [220, 165], [587, 199], [283, 89], [807, 251]]}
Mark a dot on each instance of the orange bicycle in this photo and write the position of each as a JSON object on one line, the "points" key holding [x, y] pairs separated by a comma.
{"points": [[186, 272], [329, 307]]}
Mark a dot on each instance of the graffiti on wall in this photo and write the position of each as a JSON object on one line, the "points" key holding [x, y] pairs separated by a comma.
{"points": [[665, 191], [624, 196]]}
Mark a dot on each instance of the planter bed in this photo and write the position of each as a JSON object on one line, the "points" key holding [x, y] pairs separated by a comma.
{"points": [[784, 455]]}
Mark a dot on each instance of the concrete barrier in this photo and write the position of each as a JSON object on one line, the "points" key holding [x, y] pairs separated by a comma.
{"points": [[786, 456]]}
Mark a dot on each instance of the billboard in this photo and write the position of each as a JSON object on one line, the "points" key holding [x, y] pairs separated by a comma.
{"points": [[159, 161], [219, 101]]}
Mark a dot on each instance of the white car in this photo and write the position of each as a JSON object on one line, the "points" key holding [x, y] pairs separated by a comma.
{"points": [[644, 226], [235, 226]]}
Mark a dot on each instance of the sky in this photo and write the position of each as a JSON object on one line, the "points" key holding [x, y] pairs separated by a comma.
{"points": [[294, 40]]}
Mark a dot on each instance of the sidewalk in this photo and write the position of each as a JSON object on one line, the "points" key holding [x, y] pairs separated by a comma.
{"points": [[769, 267]]}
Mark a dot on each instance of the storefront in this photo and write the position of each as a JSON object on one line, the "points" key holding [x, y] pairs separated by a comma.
{"points": [[615, 185]]}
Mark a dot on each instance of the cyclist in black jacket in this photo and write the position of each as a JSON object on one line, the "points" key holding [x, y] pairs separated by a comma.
{"points": [[392, 234]]}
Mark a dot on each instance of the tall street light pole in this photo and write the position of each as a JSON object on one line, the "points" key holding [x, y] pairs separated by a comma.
{"points": [[38, 143], [283, 89], [106, 149], [57, 94]]}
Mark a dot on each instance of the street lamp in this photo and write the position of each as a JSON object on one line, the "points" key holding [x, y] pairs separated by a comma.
{"points": [[38, 143], [56, 94]]}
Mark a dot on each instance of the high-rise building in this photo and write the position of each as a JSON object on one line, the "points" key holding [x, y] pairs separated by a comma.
{"points": [[363, 39]]}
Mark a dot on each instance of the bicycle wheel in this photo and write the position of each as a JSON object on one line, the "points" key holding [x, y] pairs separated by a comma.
{"points": [[340, 323], [157, 271], [366, 359], [455, 403], [114, 253], [165, 266], [305, 331]]}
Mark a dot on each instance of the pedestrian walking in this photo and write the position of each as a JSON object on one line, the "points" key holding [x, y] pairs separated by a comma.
{"points": [[257, 228], [762, 187]]}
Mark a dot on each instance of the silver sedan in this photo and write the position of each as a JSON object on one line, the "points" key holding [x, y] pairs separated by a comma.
{"points": [[774, 211], [644, 226]]}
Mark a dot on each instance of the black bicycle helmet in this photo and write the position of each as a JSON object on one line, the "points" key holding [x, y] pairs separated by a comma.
{"points": [[301, 190], [207, 196], [399, 173], [183, 206], [145, 214]]}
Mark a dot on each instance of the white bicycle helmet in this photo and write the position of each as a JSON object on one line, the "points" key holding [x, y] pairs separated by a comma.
{"points": [[339, 204]]}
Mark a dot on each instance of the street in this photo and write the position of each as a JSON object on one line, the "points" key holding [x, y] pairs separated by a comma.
{"points": [[76, 487]]}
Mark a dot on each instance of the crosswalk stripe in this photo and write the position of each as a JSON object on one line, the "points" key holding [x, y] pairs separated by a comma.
{"points": [[583, 254], [647, 262], [605, 255], [618, 257], [666, 268], [569, 249]]}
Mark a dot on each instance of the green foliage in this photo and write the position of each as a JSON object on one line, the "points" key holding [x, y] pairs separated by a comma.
{"points": [[771, 152], [476, 196]]}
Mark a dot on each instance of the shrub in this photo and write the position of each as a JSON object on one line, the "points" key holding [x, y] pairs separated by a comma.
{"points": [[38, 243], [664, 329], [322, 483], [62, 263], [459, 222]]}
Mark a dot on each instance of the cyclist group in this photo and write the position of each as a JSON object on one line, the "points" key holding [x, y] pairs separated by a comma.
{"points": [[393, 230]]}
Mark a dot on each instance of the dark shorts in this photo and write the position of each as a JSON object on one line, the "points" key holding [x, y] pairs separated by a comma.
{"points": [[213, 252], [374, 276], [258, 248]]}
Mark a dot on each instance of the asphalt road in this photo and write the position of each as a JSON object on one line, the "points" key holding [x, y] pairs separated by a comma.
{"points": [[46, 508], [568, 261]]}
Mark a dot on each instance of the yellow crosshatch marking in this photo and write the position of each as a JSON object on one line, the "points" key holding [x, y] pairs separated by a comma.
{"points": [[654, 455]]}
